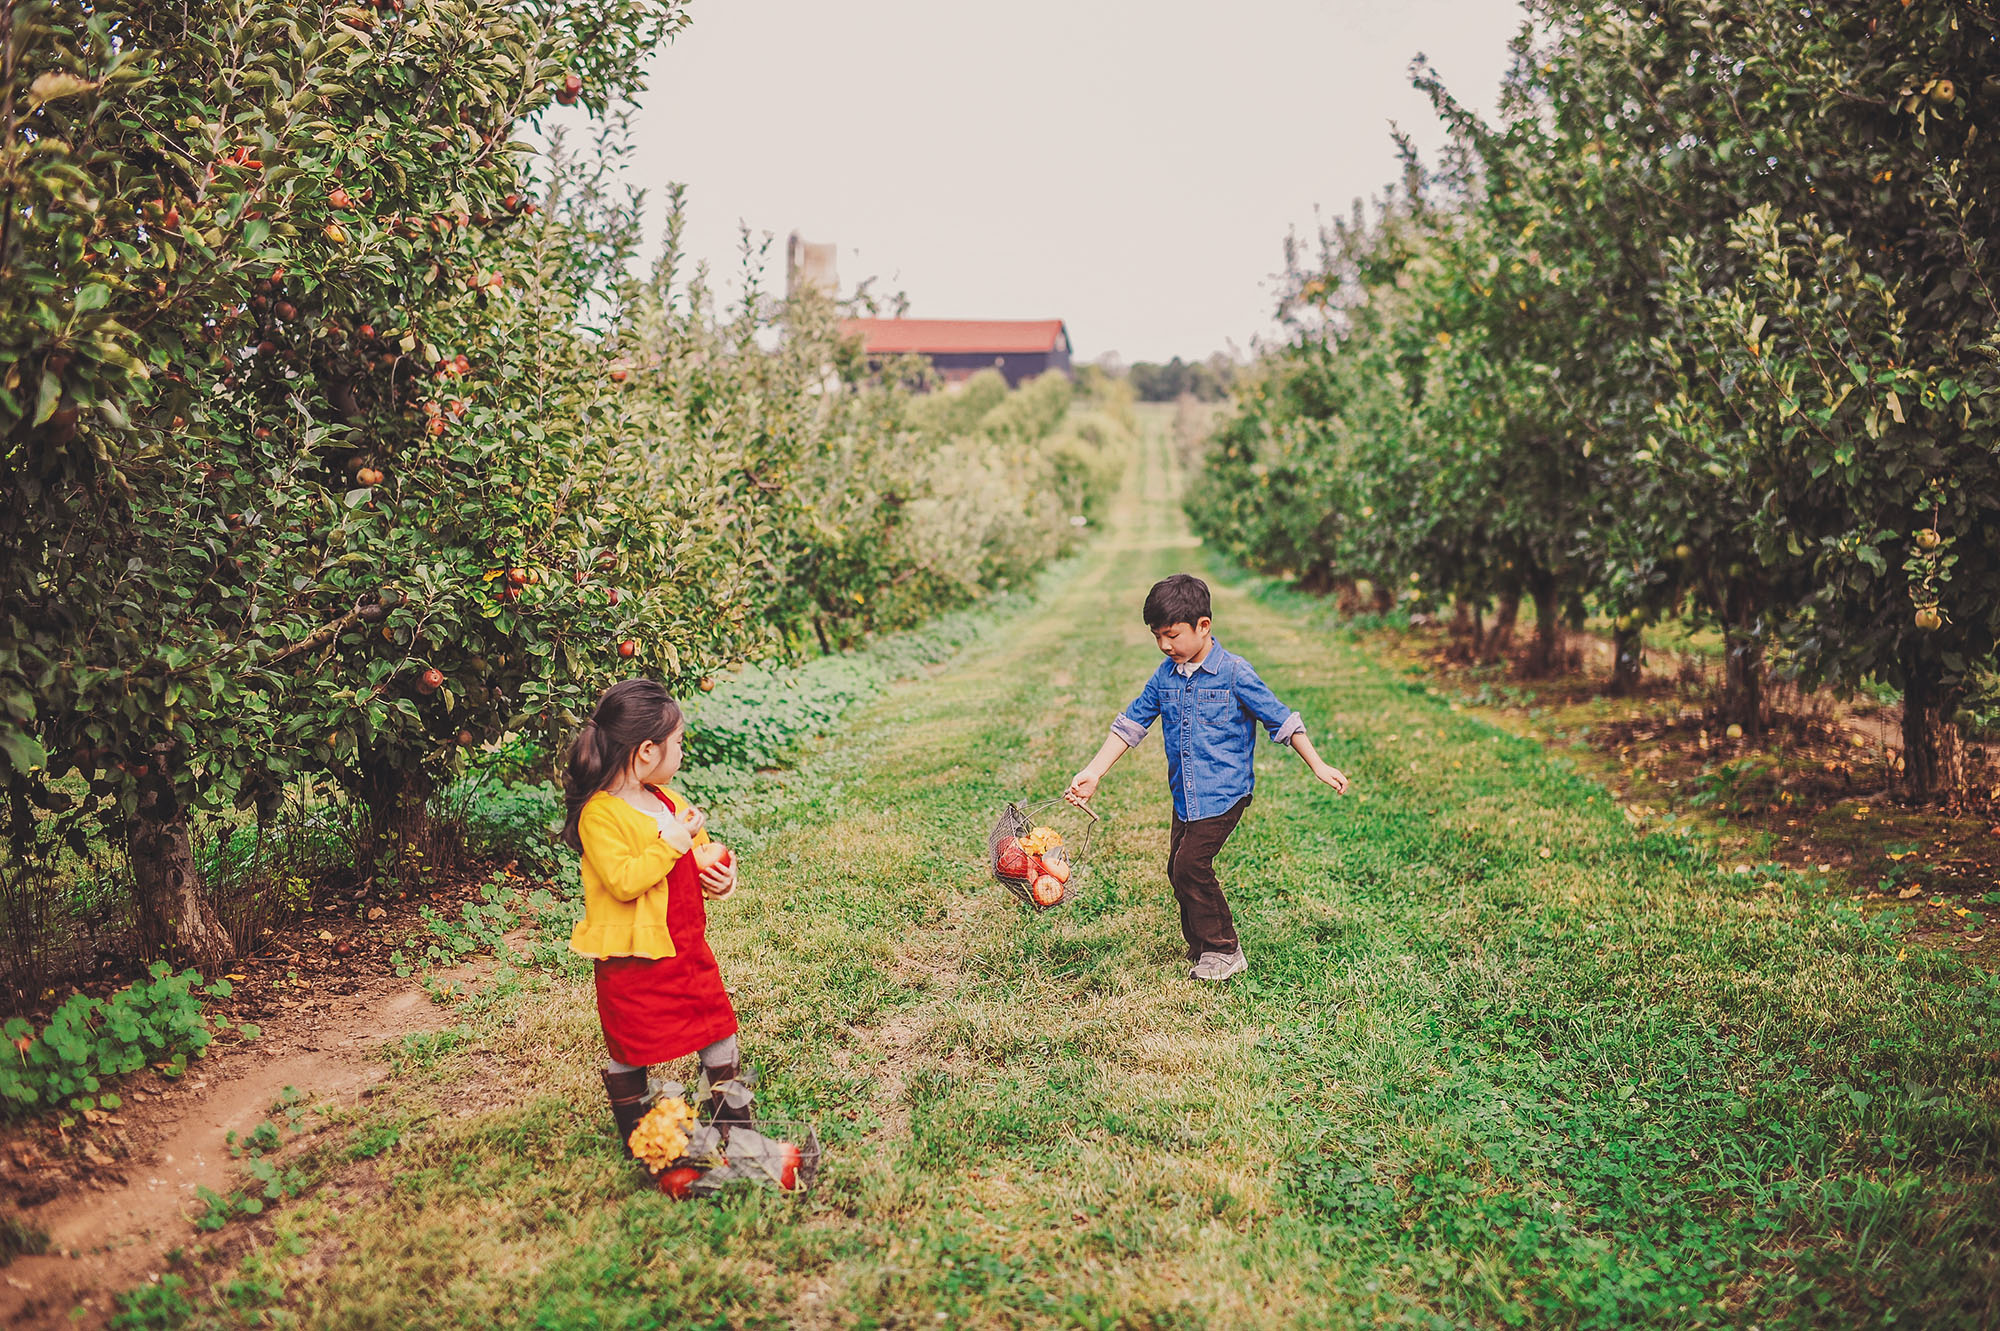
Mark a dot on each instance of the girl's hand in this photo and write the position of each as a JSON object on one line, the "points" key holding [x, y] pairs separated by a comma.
{"points": [[695, 820], [719, 880], [1082, 786], [1333, 776]]}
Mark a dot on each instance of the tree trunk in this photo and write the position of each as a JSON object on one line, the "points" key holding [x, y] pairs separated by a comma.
{"points": [[1743, 683], [1742, 660], [399, 820], [174, 913], [1500, 640], [1466, 628], [1933, 756], [1545, 657], [1628, 660], [1468, 620]]}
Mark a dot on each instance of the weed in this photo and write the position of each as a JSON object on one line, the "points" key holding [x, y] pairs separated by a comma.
{"points": [[88, 1041], [18, 1238]]}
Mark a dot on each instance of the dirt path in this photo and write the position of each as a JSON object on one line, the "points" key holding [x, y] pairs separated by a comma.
{"points": [[113, 1229]]}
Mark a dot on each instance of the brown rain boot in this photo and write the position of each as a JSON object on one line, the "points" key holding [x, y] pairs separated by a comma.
{"points": [[628, 1103], [721, 1084]]}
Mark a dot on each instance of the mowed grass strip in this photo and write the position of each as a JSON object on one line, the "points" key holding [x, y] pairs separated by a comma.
{"points": [[1497, 1062]]}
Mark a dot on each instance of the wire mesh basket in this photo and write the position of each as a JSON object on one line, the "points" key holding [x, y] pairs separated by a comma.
{"points": [[710, 1154], [1040, 851], [779, 1155]]}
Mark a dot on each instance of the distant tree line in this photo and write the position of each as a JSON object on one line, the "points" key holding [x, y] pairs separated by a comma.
{"points": [[1208, 380]]}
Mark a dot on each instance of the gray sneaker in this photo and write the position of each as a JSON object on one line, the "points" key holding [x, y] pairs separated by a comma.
{"points": [[1219, 965]]}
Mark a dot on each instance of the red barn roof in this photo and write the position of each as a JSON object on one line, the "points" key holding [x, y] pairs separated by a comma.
{"points": [[897, 337]]}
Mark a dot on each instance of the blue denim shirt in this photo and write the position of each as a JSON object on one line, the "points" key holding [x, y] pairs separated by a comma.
{"points": [[1209, 722]]}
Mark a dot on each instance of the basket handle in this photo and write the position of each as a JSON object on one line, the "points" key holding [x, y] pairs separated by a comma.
{"points": [[1037, 807]]}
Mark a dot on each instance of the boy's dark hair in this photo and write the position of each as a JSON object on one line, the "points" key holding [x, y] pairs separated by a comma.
{"points": [[630, 713], [1181, 599]]}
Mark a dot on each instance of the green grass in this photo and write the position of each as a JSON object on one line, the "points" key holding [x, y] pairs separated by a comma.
{"points": [[1499, 1061]]}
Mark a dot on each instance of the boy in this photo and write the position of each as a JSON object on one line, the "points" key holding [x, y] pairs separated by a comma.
{"points": [[1209, 702]]}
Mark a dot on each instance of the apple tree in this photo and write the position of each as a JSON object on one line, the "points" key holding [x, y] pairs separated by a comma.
{"points": [[273, 273]]}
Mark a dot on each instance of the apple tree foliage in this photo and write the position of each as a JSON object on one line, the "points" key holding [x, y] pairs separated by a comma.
{"points": [[1702, 322], [341, 438], [290, 361]]}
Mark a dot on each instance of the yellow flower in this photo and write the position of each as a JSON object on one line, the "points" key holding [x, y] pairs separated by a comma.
{"points": [[661, 1137]]}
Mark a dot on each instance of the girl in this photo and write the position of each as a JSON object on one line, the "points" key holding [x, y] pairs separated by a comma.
{"points": [[659, 991]]}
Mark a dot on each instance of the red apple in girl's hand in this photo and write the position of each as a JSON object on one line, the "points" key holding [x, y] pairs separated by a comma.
{"points": [[711, 853]]}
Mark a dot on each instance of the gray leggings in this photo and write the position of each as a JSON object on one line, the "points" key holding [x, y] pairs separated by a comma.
{"points": [[723, 1053]]}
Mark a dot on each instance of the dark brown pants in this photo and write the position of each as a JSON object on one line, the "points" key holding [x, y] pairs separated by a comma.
{"points": [[1205, 919]]}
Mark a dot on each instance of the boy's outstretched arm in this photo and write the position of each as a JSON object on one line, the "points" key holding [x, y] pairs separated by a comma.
{"points": [[1333, 776], [1084, 784], [1128, 731]]}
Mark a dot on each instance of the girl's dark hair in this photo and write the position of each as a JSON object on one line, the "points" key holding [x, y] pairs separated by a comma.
{"points": [[1181, 599], [631, 712]]}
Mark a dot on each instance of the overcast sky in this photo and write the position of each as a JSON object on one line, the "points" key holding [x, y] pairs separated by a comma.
{"points": [[1130, 166]]}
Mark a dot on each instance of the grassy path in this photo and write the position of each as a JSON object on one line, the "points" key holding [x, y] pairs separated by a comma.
{"points": [[1497, 1062]]}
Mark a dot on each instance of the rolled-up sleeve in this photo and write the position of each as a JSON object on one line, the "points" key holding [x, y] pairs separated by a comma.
{"points": [[1280, 721], [1131, 724]]}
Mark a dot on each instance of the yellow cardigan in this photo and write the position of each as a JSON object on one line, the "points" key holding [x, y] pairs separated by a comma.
{"points": [[625, 866]]}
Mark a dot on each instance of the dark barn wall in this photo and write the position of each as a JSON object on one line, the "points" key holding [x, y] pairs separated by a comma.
{"points": [[1016, 366]]}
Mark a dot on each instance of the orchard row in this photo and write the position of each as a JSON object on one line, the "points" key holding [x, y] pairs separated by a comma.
{"points": [[1702, 324], [342, 441]]}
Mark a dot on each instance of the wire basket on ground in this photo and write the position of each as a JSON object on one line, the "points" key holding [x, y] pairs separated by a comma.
{"points": [[1040, 851], [691, 1156], [778, 1155]]}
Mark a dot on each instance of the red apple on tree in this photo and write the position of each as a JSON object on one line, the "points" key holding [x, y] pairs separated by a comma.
{"points": [[628, 649]]}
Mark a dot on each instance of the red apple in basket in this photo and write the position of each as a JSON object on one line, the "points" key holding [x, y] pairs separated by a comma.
{"points": [[1056, 865], [1048, 890], [788, 1176], [676, 1182], [1013, 861]]}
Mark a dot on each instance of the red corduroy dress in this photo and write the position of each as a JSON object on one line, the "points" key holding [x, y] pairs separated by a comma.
{"points": [[655, 1011]]}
